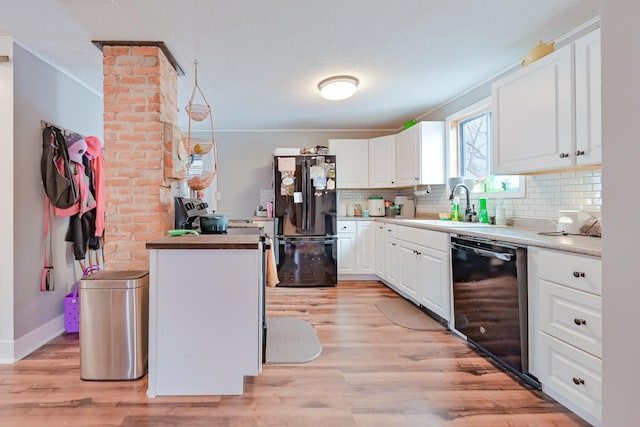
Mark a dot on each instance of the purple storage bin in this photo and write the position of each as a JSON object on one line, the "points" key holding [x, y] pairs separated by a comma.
{"points": [[72, 311]]}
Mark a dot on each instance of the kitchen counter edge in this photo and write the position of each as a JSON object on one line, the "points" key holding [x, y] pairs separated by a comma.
{"points": [[582, 245], [206, 241]]}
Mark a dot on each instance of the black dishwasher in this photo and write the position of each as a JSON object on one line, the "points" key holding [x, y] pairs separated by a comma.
{"points": [[490, 300]]}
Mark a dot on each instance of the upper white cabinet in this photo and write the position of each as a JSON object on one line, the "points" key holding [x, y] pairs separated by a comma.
{"points": [[352, 162], [382, 162], [420, 155], [588, 100], [532, 124], [534, 128]]}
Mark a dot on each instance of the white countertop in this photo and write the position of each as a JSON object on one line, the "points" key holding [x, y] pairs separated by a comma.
{"points": [[584, 245]]}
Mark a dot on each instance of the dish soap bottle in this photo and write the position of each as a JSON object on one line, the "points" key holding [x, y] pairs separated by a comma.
{"points": [[483, 215], [455, 209]]}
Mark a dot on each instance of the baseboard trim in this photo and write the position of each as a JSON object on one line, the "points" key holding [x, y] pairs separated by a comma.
{"points": [[356, 277], [12, 351]]}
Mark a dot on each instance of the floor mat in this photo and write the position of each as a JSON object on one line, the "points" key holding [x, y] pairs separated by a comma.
{"points": [[291, 340], [403, 313]]}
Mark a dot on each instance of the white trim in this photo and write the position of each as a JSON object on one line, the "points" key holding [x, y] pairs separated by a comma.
{"points": [[11, 352], [483, 104]]}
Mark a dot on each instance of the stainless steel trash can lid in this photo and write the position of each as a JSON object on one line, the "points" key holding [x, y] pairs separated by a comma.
{"points": [[127, 279]]}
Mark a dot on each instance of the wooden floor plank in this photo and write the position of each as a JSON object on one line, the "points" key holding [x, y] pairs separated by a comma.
{"points": [[370, 373]]}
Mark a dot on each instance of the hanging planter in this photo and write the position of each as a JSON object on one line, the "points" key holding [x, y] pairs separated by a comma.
{"points": [[197, 112], [199, 180]]}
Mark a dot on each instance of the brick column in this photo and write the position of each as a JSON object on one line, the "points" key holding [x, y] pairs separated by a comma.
{"points": [[140, 91]]}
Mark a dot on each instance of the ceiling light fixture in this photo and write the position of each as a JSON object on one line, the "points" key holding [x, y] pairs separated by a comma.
{"points": [[338, 87]]}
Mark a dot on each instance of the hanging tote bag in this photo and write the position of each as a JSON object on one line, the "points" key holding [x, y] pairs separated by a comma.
{"points": [[55, 169]]}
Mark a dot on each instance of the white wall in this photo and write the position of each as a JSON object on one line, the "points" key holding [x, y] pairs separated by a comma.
{"points": [[621, 151], [6, 212], [41, 93], [245, 163]]}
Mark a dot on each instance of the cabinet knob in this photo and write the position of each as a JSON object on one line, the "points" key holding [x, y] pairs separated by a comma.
{"points": [[418, 253], [579, 321], [393, 182], [563, 155], [393, 244], [578, 274], [579, 152], [578, 381]]}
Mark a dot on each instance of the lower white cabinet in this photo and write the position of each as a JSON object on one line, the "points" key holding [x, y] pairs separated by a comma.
{"points": [[346, 247], [565, 329], [391, 254], [407, 269], [423, 272], [380, 238], [356, 247]]}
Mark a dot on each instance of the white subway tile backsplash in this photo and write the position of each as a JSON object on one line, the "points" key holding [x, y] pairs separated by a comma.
{"points": [[545, 195]]}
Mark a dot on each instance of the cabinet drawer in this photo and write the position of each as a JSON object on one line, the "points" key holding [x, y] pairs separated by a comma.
{"points": [[391, 230], [431, 239], [573, 374], [575, 271], [346, 227], [572, 316]]}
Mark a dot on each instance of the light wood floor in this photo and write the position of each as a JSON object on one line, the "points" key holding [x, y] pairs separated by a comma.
{"points": [[370, 373]]}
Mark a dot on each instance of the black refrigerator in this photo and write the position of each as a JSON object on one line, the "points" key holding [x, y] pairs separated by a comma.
{"points": [[305, 220]]}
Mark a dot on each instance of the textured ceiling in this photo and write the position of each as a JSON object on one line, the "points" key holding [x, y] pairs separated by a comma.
{"points": [[259, 61]]}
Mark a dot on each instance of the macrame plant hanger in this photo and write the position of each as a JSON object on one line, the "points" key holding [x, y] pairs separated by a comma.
{"points": [[200, 146]]}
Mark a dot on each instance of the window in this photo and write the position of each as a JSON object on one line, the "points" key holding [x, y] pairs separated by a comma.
{"points": [[470, 152]]}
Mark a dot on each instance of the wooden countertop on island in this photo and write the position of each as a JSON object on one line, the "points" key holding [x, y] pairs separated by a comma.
{"points": [[244, 238]]}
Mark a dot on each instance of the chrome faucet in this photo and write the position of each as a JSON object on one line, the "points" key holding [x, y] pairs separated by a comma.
{"points": [[467, 211]]}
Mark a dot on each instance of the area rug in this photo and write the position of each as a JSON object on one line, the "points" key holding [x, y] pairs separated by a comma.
{"points": [[291, 340], [405, 314]]}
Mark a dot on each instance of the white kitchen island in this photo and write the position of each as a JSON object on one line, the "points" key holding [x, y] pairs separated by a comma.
{"points": [[205, 312]]}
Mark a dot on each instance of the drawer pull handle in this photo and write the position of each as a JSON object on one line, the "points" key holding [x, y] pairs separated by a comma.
{"points": [[564, 155], [579, 322], [579, 153], [578, 274], [578, 381]]}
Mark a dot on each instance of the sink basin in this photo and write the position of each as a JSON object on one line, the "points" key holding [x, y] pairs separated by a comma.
{"points": [[451, 224]]}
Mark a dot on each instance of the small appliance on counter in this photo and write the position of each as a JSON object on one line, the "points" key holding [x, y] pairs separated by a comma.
{"points": [[407, 207], [187, 212], [376, 206], [213, 224]]}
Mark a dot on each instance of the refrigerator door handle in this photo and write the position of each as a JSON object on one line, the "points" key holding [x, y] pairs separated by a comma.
{"points": [[305, 193]]}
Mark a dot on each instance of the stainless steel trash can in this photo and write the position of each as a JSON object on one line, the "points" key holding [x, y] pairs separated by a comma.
{"points": [[114, 325]]}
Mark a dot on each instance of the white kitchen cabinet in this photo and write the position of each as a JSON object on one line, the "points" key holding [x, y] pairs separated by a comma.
{"points": [[546, 116], [365, 246], [408, 269], [423, 260], [391, 255], [433, 284], [356, 247], [352, 162], [380, 238], [565, 328], [588, 100], [382, 162], [346, 247], [420, 154], [532, 118]]}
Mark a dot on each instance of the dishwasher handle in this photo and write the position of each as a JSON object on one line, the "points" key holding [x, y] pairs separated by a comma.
{"points": [[504, 256]]}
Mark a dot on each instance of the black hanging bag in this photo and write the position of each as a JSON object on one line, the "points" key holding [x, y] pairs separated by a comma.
{"points": [[59, 184]]}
